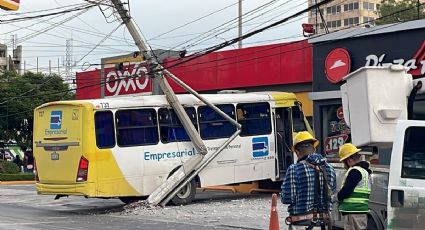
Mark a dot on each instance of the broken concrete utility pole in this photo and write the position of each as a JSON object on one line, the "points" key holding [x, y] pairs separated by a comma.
{"points": [[192, 166]]}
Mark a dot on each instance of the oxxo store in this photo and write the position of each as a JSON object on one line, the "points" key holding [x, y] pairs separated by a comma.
{"points": [[337, 54]]}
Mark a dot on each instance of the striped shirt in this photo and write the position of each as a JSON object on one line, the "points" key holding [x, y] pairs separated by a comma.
{"points": [[298, 187]]}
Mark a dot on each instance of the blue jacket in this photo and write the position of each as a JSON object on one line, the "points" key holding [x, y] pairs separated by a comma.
{"points": [[298, 187]]}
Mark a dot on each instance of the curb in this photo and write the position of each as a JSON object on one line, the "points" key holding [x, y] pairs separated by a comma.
{"points": [[16, 182]]}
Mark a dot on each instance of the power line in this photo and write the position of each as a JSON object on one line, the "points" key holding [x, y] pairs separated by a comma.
{"points": [[101, 41], [5, 21], [213, 30], [250, 34], [99, 84], [44, 10], [196, 20]]}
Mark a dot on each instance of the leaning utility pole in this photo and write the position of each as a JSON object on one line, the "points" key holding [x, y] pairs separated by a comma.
{"points": [[192, 166]]}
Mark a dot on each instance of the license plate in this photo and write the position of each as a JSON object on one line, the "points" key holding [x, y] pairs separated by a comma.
{"points": [[54, 156]]}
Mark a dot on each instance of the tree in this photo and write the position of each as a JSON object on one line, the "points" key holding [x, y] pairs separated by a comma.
{"points": [[408, 10], [19, 95]]}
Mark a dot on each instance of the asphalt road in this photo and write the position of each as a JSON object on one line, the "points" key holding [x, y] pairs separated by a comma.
{"points": [[22, 209]]}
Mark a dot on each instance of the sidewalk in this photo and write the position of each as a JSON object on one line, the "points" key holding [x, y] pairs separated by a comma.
{"points": [[16, 182]]}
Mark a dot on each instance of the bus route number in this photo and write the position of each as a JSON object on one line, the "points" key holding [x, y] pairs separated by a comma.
{"points": [[104, 105], [333, 143]]}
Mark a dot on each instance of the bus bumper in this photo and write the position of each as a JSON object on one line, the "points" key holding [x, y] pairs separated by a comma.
{"points": [[83, 189]]}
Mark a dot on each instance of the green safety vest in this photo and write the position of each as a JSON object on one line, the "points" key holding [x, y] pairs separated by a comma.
{"points": [[358, 201]]}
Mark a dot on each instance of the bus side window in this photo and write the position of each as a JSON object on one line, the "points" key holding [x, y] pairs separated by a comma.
{"points": [[212, 125], [171, 129], [104, 129], [254, 118], [298, 119], [136, 127]]}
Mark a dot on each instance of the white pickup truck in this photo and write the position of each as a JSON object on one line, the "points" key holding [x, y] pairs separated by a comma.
{"points": [[377, 103]]}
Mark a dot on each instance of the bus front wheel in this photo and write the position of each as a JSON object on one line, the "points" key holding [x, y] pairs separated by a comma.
{"points": [[186, 194], [132, 199]]}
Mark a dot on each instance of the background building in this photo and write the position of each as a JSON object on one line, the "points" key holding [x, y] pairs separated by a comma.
{"points": [[3, 55], [10, 62], [344, 13]]}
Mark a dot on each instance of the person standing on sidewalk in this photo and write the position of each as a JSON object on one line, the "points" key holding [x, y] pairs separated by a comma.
{"points": [[353, 197], [308, 186]]}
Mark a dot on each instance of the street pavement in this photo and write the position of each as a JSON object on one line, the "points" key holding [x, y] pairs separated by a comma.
{"points": [[21, 209]]}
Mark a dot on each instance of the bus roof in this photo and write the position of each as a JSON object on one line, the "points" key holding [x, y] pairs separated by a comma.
{"points": [[185, 99]]}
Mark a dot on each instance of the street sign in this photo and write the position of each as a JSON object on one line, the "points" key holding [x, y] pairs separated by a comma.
{"points": [[9, 4]]}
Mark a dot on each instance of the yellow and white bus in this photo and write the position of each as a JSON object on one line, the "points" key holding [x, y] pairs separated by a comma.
{"points": [[126, 147]]}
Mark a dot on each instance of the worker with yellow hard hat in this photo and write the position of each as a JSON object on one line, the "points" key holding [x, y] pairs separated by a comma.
{"points": [[353, 197], [308, 185], [302, 138]]}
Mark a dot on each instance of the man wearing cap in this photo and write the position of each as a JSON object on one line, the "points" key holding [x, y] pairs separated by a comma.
{"points": [[353, 197], [308, 185]]}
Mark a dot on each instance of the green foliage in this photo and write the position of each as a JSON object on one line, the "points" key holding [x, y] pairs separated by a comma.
{"points": [[9, 167], [408, 11], [20, 94], [17, 177]]}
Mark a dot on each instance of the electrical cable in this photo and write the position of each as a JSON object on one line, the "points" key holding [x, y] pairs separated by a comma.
{"points": [[193, 21], [5, 21], [101, 41], [384, 27]]}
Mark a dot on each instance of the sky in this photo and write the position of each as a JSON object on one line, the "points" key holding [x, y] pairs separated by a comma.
{"points": [[166, 24]]}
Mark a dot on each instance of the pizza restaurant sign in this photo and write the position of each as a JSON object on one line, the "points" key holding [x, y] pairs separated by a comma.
{"points": [[133, 78], [338, 63], [415, 66]]}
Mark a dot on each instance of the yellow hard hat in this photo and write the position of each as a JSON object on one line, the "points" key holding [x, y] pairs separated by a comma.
{"points": [[304, 136], [346, 150]]}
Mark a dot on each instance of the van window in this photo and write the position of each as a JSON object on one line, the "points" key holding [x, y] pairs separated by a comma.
{"points": [[171, 129], [104, 129], [136, 127], [254, 118], [212, 125], [413, 165]]}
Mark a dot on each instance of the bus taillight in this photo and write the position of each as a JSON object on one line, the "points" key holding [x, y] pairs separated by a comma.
{"points": [[83, 170], [35, 171]]}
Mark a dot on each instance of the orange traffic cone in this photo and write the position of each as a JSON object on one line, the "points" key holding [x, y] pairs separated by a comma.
{"points": [[274, 219]]}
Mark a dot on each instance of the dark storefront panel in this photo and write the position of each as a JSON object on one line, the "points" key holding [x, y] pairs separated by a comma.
{"points": [[334, 129], [406, 47]]}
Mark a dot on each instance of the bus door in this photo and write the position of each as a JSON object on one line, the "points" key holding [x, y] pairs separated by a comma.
{"points": [[288, 121], [283, 135]]}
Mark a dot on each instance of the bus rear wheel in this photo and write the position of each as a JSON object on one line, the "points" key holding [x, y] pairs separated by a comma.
{"points": [[185, 195]]}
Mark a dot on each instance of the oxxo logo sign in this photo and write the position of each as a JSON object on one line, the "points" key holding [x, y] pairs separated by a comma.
{"points": [[56, 120], [260, 146], [133, 79]]}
